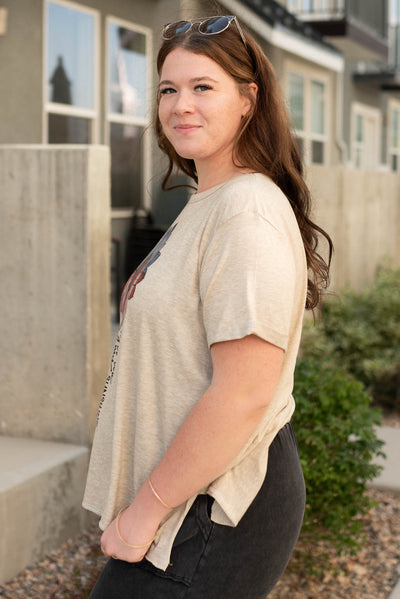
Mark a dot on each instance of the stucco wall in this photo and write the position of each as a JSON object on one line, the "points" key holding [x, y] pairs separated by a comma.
{"points": [[54, 268], [21, 72], [361, 212]]}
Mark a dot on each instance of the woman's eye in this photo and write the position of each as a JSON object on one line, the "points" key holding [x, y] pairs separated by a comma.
{"points": [[167, 90], [202, 88]]}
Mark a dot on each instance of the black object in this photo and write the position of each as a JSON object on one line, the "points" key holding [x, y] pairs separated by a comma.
{"points": [[142, 238]]}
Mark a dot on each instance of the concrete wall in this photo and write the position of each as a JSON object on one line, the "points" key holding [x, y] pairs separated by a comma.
{"points": [[54, 268], [361, 212]]}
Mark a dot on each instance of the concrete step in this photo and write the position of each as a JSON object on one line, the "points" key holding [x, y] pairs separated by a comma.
{"points": [[41, 489]]}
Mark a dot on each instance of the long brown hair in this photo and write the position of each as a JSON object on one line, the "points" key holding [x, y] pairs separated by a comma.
{"points": [[264, 143]]}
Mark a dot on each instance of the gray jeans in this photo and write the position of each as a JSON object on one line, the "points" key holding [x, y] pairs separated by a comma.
{"points": [[210, 561]]}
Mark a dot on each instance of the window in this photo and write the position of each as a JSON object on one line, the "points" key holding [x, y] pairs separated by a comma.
{"points": [[317, 122], [126, 144], [394, 136], [307, 105], [296, 99], [358, 142], [394, 33], [70, 73], [365, 136], [394, 12], [296, 96], [127, 76], [128, 85]]}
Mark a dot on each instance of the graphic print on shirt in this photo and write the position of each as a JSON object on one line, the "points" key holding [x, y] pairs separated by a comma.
{"points": [[109, 378], [129, 291], [140, 273]]}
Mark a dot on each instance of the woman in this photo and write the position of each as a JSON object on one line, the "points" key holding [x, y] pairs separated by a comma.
{"points": [[198, 401]]}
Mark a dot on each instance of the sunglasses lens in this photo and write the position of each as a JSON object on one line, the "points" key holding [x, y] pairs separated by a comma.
{"points": [[214, 25], [177, 28]]}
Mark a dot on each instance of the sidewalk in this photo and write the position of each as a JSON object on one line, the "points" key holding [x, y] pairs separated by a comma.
{"points": [[389, 479]]}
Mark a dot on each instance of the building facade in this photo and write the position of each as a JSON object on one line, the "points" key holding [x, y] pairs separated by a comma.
{"points": [[367, 33], [82, 72]]}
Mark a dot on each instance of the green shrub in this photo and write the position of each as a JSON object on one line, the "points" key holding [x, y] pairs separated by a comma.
{"points": [[335, 428], [362, 331]]}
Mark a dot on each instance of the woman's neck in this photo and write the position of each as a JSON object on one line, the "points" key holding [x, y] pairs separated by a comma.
{"points": [[216, 176]]}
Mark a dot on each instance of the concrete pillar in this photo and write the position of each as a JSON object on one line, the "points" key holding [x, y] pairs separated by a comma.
{"points": [[54, 292]]}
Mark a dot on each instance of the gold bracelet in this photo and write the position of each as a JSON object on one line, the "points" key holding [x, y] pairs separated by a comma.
{"points": [[157, 495], [121, 537]]}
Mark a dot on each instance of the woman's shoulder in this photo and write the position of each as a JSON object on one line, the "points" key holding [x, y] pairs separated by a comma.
{"points": [[253, 192], [253, 184]]}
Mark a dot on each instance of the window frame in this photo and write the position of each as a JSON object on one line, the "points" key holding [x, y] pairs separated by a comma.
{"points": [[93, 115], [307, 136], [144, 122]]}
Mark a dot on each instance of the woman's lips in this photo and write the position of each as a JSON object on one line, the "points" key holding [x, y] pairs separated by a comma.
{"points": [[187, 128]]}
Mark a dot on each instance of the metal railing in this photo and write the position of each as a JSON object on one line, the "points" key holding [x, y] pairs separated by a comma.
{"points": [[370, 13], [317, 8]]}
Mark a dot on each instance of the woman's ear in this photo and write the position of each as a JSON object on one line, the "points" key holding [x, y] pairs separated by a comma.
{"points": [[253, 89], [251, 96]]}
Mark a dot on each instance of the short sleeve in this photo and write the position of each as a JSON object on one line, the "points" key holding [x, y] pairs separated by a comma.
{"points": [[247, 281]]}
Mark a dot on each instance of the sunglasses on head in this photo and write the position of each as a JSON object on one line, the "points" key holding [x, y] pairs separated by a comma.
{"points": [[209, 26]]}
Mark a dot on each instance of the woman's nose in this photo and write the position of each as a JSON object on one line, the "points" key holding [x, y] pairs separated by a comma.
{"points": [[183, 103]]}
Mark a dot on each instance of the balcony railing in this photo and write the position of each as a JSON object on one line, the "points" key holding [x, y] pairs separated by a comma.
{"points": [[314, 8], [369, 13], [372, 14]]}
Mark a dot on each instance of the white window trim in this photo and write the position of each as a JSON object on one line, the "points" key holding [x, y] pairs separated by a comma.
{"points": [[392, 151], [365, 111], [124, 119], [54, 108], [132, 120], [309, 75], [71, 111]]}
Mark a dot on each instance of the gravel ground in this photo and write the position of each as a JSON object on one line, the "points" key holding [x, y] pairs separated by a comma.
{"points": [[70, 571], [391, 419], [372, 574]]}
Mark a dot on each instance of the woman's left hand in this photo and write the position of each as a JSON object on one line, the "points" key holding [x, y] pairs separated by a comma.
{"points": [[140, 535]]}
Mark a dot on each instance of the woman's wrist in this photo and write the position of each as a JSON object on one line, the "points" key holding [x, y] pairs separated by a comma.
{"points": [[139, 522], [123, 540]]}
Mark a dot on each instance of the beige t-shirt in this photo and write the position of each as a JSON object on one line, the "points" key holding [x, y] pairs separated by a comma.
{"points": [[232, 264]]}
